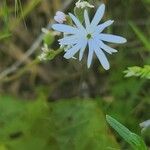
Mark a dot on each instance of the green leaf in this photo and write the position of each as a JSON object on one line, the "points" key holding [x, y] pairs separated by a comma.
{"points": [[65, 125], [138, 71], [48, 38], [79, 12], [134, 140], [141, 36]]}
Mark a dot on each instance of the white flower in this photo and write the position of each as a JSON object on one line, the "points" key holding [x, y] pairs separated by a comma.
{"points": [[145, 125], [83, 4], [60, 17], [79, 37], [43, 55]]}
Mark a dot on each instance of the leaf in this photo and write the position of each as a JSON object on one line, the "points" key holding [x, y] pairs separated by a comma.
{"points": [[141, 36], [134, 140], [48, 38], [79, 12], [138, 71], [68, 124], [80, 121]]}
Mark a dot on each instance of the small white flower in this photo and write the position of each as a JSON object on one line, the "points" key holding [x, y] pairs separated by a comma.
{"points": [[145, 125], [45, 48], [43, 55], [60, 17], [83, 4], [79, 37]]}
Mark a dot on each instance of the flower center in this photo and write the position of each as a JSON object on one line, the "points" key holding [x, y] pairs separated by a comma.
{"points": [[89, 36]]}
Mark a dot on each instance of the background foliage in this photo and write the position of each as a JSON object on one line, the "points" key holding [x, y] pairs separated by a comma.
{"points": [[61, 104]]}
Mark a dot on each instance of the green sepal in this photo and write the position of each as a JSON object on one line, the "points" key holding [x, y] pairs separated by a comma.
{"points": [[79, 12], [48, 38]]}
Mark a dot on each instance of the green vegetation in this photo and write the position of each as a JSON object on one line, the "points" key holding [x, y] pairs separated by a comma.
{"points": [[134, 140], [69, 124], [60, 104]]}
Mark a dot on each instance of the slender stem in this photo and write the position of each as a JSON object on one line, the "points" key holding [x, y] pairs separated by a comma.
{"points": [[27, 67]]}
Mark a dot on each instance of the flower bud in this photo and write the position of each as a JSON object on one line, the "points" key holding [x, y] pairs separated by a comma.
{"points": [[60, 17], [83, 4]]}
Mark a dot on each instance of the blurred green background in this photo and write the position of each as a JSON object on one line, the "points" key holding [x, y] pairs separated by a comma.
{"points": [[60, 104]]}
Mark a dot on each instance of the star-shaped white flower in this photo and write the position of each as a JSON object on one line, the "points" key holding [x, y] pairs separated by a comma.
{"points": [[79, 37]]}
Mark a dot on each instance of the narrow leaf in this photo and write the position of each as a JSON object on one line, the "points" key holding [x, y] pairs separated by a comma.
{"points": [[134, 140], [141, 36]]}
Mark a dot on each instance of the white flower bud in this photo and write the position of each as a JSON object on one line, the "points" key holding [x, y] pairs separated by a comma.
{"points": [[83, 4], [60, 17], [145, 125], [43, 55]]}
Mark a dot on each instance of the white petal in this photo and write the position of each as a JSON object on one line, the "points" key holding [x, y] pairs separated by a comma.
{"points": [[69, 40], [60, 13], [102, 57], [65, 28], [84, 44], [87, 20], [90, 54], [72, 51], [107, 48], [76, 21], [58, 19], [98, 16], [101, 27], [112, 38]]}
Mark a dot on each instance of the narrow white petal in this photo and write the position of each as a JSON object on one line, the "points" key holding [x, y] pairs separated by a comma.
{"points": [[98, 16], [104, 25], [84, 44], [76, 21], [107, 48], [87, 20], [112, 38], [102, 57], [65, 28], [72, 51], [90, 54], [69, 40]]}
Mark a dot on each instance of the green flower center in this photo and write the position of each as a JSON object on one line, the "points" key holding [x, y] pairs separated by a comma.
{"points": [[89, 36]]}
